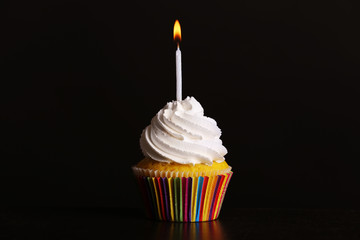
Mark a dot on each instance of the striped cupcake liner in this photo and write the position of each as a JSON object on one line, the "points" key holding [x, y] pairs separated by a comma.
{"points": [[181, 199]]}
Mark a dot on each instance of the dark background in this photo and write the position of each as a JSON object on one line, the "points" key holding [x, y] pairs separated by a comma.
{"points": [[81, 79]]}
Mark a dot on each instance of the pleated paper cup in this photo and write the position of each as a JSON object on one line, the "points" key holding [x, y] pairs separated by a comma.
{"points": [[183, 197]]}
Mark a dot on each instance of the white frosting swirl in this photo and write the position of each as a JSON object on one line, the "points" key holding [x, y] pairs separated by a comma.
{"points": [[181, 133]]}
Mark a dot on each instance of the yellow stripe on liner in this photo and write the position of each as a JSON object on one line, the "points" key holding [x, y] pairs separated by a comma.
{"points": [[157, 197], [211, 196], [171, 200], [207, 198], [193, 198], [224, 191]]}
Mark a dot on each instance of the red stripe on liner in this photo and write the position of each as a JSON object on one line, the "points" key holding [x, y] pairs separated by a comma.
{"points": [[158, 185], [217, 197], [183, 185], [186, 200], [203, 193], [188, 214]]}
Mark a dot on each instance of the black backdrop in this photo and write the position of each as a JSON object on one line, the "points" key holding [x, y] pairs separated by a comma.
{"points": [[81, 79]]}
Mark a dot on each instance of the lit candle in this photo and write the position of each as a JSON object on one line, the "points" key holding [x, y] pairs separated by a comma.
{"points": [[177, 39]]}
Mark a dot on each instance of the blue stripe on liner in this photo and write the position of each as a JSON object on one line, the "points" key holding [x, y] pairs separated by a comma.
{"points": [[166, 198], [198, 200]]}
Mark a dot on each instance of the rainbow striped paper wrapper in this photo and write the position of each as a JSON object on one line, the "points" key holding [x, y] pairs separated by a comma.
{"points": [[184, 199]]}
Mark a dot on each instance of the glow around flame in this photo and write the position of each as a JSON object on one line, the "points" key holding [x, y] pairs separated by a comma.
{"points": [[177, 31]]}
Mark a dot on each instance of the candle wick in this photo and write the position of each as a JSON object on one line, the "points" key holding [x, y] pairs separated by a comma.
{"points": [[178, 45]]}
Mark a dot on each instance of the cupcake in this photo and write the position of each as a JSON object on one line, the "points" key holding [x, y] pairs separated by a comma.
{"points": [[184, 175]]}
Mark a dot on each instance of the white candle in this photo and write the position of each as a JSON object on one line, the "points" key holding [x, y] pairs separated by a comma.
{"points": [[177, 39], [178, 75]]}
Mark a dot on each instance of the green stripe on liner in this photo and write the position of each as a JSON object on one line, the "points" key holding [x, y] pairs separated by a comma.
{"points": [[180, 201], [153, 198]]}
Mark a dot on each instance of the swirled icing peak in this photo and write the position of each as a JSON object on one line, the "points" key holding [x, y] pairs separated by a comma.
{"points": [[181, 133]]}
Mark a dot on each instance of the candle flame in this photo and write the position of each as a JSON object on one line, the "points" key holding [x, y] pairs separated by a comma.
{"points": [[177, 32]]}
